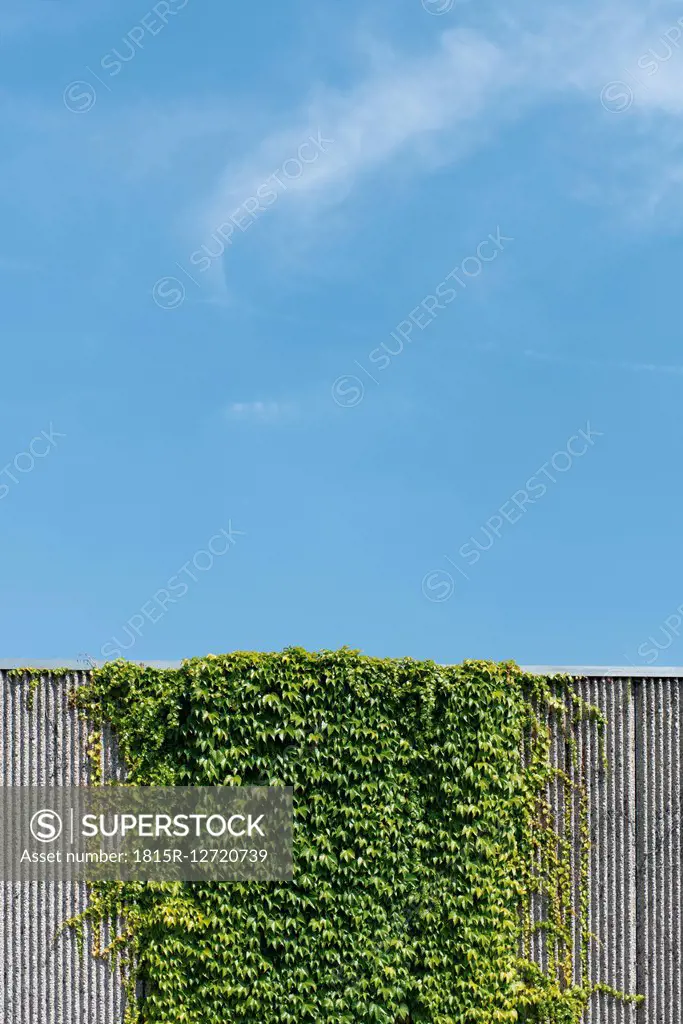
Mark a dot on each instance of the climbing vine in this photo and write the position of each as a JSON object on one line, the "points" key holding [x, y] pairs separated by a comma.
{"points": [[34, 677], [436, 849]]}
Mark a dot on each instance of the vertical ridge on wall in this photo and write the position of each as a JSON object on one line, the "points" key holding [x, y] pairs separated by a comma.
{"points": [[659, 867], [44, 979], [611, 790]]}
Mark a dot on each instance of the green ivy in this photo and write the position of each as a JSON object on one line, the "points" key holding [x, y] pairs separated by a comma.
{"points": [[423, 833], [34, 677]]}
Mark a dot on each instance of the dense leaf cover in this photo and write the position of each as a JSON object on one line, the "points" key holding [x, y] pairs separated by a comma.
{"points": [[422, 831]]}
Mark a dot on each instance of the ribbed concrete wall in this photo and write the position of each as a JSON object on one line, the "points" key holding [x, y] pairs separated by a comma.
{"points": [[44, 979], [635, 861], [659, 806], [613, 855]]}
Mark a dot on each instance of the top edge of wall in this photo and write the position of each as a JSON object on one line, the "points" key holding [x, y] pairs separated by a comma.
{"points": [[73, 665], [592, 671], [605, 671]]}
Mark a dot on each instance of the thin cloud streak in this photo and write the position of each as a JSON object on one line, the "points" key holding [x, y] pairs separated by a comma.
{"points": [[604, 364], [260, 412]]}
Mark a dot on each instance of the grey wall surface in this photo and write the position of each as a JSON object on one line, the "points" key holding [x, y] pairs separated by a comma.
{"points": [[635, 861], [44, 979]]}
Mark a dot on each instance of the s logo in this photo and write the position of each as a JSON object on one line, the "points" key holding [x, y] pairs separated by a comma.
{"points": [[46, 826]]}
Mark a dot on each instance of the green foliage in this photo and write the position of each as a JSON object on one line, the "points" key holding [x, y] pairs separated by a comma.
{"points": [[34, 677], [423, 832]]}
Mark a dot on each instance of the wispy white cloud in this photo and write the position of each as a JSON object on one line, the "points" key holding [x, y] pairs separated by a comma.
{"points": [[398, 112], [630, 366], [11, 265], [408, 112], [413, 112], [260, 412], [48, 17], [651, 368]]}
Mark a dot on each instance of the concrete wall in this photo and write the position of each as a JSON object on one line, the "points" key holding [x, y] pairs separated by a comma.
{"points": [[635, 867], [44, 979]]}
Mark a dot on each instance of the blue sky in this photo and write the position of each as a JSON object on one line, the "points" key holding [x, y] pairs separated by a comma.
{"points": [[422, 396]]}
